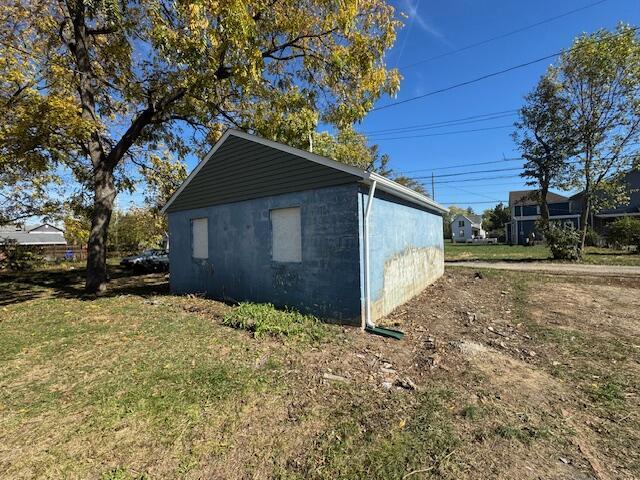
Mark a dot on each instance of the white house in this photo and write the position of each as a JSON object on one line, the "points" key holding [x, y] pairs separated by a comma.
{"points": [[40, 235], [467, 227]]}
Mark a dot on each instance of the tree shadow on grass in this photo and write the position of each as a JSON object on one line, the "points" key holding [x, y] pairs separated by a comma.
{"points": [[24, 286]]}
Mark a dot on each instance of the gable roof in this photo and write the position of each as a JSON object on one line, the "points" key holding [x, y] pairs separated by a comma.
{"points": [[43, 228], [474, 219], [32, 235], [526, 197], [247, 166]]}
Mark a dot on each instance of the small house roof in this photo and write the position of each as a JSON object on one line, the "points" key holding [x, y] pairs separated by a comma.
{"points": [[474, 219], [527, 197], [359, 174], [32, 235], [43, 228]]}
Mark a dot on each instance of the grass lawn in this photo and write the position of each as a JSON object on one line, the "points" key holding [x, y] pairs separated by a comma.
{"points": [[594, 255], [516, 376]]}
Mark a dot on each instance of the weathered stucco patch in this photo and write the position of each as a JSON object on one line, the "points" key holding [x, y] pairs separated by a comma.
{"points": [[406, 275]]}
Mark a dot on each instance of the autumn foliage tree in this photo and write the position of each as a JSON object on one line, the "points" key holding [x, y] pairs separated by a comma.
{"points": [[90, 87], [600, 78]]}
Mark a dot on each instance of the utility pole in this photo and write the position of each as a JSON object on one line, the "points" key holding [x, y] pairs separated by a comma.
{"points": [[433, 186]]}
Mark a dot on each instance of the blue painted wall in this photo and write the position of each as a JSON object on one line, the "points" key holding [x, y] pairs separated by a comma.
{"points": [[398, 228], [239, 267]]}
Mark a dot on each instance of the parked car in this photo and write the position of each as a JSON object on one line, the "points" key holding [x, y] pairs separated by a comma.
{"points": [[133, 260], [154, 263]]}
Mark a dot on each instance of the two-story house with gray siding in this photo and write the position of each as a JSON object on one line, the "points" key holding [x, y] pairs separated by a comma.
{"points": [[525, 212], [601, 219]]}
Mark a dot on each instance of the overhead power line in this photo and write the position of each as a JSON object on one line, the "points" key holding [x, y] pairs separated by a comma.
{"points": [[473, 172], [504, 35], [479, 118], [376, 136], [503, 184], [460, 165], [483, 77], [478, 179], [490, 162], [446, 133]]}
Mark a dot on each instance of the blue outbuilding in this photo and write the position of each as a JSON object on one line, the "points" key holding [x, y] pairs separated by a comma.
{"points": [[260, 221]]}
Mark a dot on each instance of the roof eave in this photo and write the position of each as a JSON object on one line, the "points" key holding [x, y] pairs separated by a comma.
{"points": [[403, 192]]}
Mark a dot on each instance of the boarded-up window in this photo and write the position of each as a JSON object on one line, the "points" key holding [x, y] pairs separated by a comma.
{"points": [[286, 238], [199, 238]]}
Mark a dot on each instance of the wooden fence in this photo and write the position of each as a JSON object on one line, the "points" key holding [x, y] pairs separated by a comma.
{"points": [[63, 252]]}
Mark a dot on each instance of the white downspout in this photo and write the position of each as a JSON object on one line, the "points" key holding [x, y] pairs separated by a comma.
{"points": [[367, 280]]}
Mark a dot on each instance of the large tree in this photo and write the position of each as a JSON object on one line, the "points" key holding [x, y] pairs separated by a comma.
{"points": [[600, 78], [545, 137], [89, 86], [494, 219]]}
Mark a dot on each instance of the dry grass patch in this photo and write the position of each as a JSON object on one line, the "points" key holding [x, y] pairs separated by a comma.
{"points": [[515, 377]]}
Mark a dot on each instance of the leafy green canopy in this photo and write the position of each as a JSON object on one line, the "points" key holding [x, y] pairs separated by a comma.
{"points": [[600, 78], [97, 85]]}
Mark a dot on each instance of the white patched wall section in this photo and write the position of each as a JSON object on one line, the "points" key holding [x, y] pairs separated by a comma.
{"points": [[406, 275]]}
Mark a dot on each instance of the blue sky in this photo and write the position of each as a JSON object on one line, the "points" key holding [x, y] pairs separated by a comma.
{"points": [[438, 27]]}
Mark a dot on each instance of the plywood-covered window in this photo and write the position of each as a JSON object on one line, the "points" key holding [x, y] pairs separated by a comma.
{"points": [[200, 238], [286, 235]]}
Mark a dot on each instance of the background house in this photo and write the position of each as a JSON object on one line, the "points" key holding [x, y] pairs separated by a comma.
{"points": [[41, 235], [600, 220], [261, 221], [466, 227], [525, 212]]}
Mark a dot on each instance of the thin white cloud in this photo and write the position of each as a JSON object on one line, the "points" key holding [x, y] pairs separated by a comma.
{"points": [[415, 17]]}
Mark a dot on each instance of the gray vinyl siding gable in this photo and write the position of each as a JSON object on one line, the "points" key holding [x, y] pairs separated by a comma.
{"points": [[242, 170]]}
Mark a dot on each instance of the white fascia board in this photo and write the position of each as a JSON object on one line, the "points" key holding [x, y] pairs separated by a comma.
{"points": [[405, 193]]}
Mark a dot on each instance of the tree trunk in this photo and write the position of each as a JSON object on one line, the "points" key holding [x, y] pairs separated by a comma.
{"points": [[584, 219], [104, 196], [544, 206]]}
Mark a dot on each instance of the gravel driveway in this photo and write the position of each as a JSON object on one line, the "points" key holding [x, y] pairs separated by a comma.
{"points": [[555, 268]]}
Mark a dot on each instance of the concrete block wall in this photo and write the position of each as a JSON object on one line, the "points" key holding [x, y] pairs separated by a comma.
{"points": [[406, 250], [240, 268]]}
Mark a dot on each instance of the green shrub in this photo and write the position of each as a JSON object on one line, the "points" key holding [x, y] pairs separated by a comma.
{"points": [[625, 231], [564, 242], [19, 258], [265, 319], [593, 238]]}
